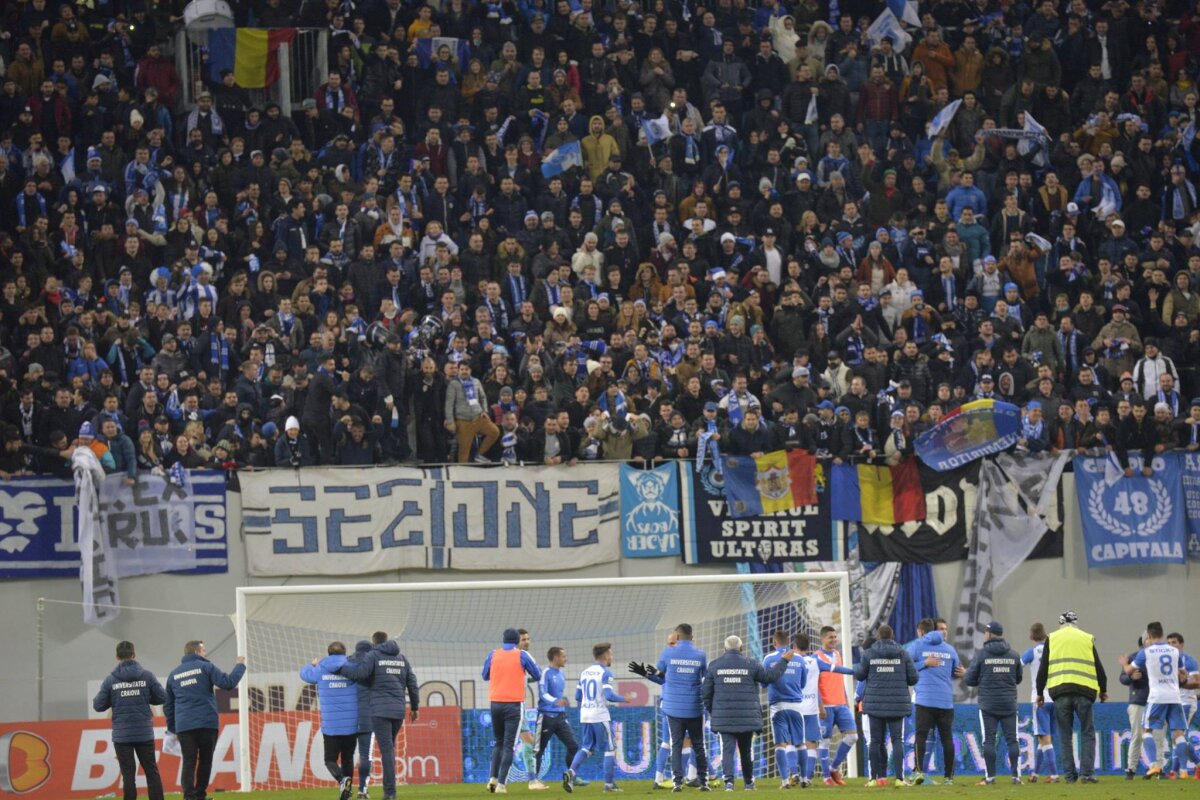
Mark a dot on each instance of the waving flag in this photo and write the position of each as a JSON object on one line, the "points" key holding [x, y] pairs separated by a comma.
{"points": [[905, 11], [975, 430], [887, 495], [1035, 134], [252, 54], [656, 130], [777, 481], [427, 49], [561, 159], [943, 118], [1189, 135], [886, 24], [1110, 198], [810, 116]]}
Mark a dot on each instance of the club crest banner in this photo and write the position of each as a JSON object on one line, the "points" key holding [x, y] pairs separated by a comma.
{"points": [[342, 522], [1132, 520], [649, 511]]}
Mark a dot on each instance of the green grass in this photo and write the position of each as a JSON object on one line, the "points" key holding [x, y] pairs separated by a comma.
{"points": [[1109, 788]]}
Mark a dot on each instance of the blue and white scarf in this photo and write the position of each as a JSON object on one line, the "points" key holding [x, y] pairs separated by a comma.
{"points": [[706, 444], [218, 350]]}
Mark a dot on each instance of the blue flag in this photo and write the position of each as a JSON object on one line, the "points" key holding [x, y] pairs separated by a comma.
{"points": [[561, 159], [427, 50]]}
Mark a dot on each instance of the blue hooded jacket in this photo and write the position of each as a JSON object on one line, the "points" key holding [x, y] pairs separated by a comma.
{"points": [[388, 675], [129, 691], [337, 693], [190, 704], [935, 685]]}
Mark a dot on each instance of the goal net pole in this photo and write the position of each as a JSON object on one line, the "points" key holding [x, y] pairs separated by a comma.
{"points": [[252, 599]]}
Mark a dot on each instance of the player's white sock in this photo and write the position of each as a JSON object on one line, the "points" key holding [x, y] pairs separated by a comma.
{"points": [[689, 759]]}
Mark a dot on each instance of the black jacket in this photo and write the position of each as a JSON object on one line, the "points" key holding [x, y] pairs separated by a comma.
{"points": [[888, 670], [730, 692], [129, 691], [388, 675], [996, 670]]}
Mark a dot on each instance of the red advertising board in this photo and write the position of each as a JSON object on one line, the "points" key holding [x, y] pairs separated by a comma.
{"points": [[76, 758]]}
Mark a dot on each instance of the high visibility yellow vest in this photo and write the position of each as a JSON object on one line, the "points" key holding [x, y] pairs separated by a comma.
{"points": [[1071, 659]]}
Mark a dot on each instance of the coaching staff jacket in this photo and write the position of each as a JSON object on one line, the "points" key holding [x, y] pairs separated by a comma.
{"points": [[388, 675], [129, 691], [888, 670], [730, 692], [191, 704], [996, 670]]}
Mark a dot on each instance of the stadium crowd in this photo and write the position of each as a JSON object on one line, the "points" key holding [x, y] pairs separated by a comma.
{"points": [[388, 274]]}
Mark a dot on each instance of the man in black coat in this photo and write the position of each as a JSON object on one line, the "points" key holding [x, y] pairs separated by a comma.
{"points": [[888, 671], [318, 423], [129, 691], [730, 696], [389, 675], [997, 671], [752, 437]]}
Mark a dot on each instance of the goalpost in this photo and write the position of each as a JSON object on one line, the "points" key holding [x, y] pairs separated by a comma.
{"points": [[446, 630]]}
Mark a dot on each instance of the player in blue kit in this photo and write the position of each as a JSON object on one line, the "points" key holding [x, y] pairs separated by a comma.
{"points": [[593, 694], [552, 712], [785, 702], [1187, 694], [1045, 762], [1163, 666]]}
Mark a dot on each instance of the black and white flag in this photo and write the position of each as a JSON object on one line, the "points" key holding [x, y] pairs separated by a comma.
{"points": [[1017, 504]]}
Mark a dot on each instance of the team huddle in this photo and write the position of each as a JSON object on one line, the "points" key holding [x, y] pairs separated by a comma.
{"points": [[364, 695]]}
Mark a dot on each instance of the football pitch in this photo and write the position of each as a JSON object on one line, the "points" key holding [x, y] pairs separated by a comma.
{"points": [[1108, 788]]}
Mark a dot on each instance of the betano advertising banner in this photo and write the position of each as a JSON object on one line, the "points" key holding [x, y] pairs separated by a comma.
{"points": [[345, 522], [75, 759]]}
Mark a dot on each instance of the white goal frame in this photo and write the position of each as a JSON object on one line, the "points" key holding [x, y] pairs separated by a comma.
{"points": [[243, 592]]}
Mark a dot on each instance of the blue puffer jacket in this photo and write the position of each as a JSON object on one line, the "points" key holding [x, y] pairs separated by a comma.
{"points": [[888, 671], [129, 691], [191, 704], [935, 685], [730, 692], [388, 675], [996, 670], [337, 693], [364, 693]]}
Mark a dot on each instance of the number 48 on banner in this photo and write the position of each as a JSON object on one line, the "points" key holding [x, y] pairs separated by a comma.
{"points": [[1131, 503]]}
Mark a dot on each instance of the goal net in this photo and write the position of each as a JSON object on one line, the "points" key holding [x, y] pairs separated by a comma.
{"points": [[446, 630]]}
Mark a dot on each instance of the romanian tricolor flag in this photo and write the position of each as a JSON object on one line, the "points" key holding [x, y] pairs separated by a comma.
{"points": [[776, 481], [877, 495], [252, 54]]}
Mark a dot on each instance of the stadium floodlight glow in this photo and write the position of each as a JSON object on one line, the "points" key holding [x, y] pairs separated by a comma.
{"points": [[446, 629]]}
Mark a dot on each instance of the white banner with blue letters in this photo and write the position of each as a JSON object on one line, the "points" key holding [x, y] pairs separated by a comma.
{"points": [[347, 522], [151, 527], [650, 511]]}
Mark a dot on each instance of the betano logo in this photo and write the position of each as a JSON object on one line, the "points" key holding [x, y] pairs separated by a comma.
{"points": [[24, 762]]}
